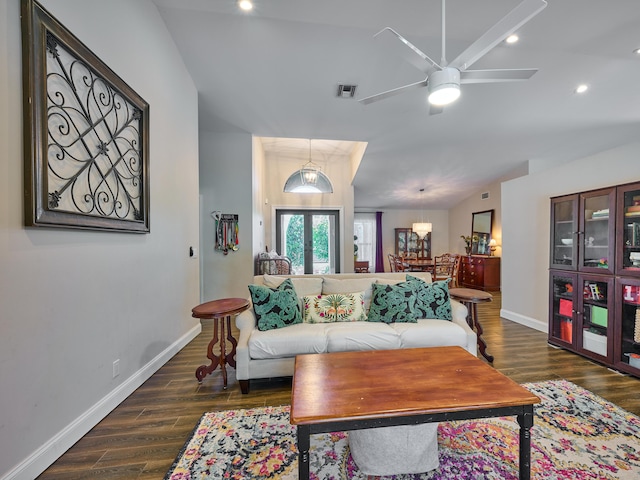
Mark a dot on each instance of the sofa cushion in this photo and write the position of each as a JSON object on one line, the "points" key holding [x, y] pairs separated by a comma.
{"points": [[358, 336], [275, 308], [336, 285], [430, 333], [432, 299], [303, 286], [334, 307], [294, 340], [392, 303]]}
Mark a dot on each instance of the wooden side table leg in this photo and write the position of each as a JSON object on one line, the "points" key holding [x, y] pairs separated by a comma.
{"points": [[204, 370], [223, 356], [481, 343], [231, 356]]}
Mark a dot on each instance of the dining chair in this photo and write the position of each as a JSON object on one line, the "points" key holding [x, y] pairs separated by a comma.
{"points": [[444, 267], [392, 261]]}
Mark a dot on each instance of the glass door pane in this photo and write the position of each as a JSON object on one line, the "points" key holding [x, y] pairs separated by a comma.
{"points": [[631, 232], [596, 248], [629, 350], [562, 308], [595, 315], [310, 239], [564, 224]]}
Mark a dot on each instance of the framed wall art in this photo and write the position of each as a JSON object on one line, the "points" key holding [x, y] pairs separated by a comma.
{"points": [[86, 134]]}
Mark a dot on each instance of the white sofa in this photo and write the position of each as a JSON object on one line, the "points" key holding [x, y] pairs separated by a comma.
{"points": [[271, 353]]}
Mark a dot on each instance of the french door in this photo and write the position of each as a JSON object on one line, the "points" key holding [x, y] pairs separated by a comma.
{"points": [[310, 238]]}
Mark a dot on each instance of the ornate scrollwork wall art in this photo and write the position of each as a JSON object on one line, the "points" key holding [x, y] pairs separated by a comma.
{"points": [[86, 134]]}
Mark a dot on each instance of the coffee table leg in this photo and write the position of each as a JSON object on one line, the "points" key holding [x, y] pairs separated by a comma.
{"points": [[526, 422], [304, 442]]}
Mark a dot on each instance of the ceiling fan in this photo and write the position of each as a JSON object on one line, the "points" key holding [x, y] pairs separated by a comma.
{"points": [[443, 79]]}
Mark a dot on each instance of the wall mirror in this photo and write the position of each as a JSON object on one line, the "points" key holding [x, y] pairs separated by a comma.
{"points": [[481, 224]]}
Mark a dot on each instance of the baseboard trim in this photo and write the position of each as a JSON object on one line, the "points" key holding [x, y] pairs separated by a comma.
{"points": [[43, 457], [524, 320]]}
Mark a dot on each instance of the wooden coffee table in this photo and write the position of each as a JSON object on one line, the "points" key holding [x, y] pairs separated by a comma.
{"points": [[358, 390]]}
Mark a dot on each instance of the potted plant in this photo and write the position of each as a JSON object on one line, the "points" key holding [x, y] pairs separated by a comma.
{"points": [[468, 240], [355, 248]]}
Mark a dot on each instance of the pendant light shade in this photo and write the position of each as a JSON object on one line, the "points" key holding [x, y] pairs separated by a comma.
{"points": [[309, 179], [422, 228]]}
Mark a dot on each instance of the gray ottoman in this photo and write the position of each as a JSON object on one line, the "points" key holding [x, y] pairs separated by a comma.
{"points": [[395, 450]]}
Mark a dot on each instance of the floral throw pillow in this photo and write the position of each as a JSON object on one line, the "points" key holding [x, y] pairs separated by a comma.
{"points": [[275, 307], [431, 299], [392, 303], [334, 307]]}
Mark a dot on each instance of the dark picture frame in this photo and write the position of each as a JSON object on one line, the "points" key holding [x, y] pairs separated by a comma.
{"points": [[86, 134]]}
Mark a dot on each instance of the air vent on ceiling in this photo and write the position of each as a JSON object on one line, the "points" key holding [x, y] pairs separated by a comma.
{"points": [[484, 196], [346, 91]]}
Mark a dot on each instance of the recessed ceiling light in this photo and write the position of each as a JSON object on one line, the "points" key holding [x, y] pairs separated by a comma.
{"points": [[512, 38], [637, 51], [582, 88], [245, 5]]}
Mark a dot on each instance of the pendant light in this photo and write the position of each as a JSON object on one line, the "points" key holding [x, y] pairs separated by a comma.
{"points": [[309, 179], [422, 228]]}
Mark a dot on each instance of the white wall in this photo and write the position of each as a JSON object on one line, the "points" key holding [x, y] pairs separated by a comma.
{"points": [[392, 219], [525, 225], [339, 170], [226, 185], [72, 302]]}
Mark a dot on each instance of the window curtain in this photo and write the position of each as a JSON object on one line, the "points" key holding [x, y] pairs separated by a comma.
{"points": [[379, 255]]}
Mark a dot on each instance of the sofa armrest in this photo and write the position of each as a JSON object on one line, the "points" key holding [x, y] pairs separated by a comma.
{"points": [[459, 316], [246, 323]]}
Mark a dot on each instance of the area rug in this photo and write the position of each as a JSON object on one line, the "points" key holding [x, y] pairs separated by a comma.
{"points": [[576, 435]]}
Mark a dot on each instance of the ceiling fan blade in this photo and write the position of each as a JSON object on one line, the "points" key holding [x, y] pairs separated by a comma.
{"points": [[413, 54], [391, 93], [498, 75], [501, 30]]}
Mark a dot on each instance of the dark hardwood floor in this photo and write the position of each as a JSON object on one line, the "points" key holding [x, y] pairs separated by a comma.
{"points": [[141, 438]]}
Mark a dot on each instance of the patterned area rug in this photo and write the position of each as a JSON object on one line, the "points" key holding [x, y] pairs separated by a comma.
{"points": [[576, 435]]}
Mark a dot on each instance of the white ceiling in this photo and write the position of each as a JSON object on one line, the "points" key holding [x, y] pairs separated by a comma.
{"points": [[274, 72]]}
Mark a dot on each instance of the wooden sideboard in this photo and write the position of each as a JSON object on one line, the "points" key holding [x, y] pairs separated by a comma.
{"points": [[480, 272]]}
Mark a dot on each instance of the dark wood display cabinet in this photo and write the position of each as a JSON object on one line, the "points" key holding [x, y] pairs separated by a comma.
{"points": [[594, 280], [407, 241], [480, 272]]}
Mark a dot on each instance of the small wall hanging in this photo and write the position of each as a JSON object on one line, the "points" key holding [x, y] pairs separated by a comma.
{"points": [[86, 134], [227, 232]]}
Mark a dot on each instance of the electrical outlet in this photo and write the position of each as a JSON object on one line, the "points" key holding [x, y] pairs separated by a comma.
{"points": [[116, 368]]}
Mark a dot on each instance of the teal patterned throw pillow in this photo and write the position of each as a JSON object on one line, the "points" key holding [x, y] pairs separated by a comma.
{"points": [[275, 307], [392, 303], [431, 299]]}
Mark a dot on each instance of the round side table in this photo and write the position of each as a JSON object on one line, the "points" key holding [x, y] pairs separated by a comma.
{"points": [[221, 311], [471, 298]]}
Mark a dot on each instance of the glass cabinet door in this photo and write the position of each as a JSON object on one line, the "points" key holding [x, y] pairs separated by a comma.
{"points": [[596, 297], [628, 260], [564, 229], [596, 232], [563, 308], [628, 333]]}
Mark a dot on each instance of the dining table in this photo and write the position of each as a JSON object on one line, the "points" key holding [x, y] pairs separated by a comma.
{"points": [[418, 265]]}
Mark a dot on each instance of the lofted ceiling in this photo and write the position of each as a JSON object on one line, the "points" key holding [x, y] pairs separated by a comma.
{"points": [[274, 72]]}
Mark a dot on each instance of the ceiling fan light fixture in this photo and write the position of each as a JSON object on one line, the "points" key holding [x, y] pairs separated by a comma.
{"points": [[444, 87]]}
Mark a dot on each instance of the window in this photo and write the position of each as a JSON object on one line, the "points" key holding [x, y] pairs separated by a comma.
{"points": [[364, 227]]}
